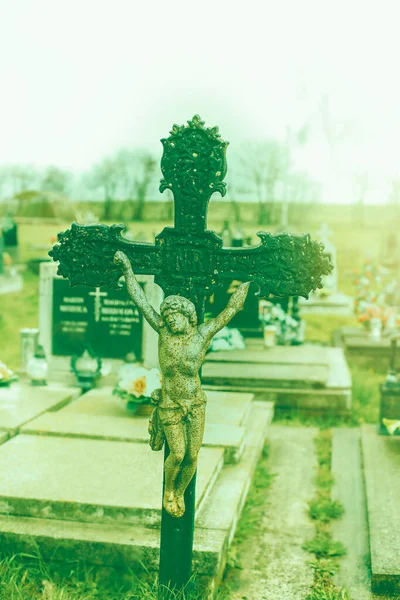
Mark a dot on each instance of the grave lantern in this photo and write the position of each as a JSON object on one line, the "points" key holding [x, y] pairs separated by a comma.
{"points": [[87, 369]]}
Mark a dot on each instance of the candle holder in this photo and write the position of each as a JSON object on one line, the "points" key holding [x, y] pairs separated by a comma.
{"points": [[87, 369]]}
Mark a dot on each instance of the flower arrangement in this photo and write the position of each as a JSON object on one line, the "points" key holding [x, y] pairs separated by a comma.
{"points": [[136, 384], [228, 338], [6, 375], [286, 327], [371, 306], [392, 426]]}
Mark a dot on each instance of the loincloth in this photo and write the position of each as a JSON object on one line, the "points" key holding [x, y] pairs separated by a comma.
{"points": [[172, 414]]}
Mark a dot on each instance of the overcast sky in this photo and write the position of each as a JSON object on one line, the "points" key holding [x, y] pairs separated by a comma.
{"points": [[82, 78]]}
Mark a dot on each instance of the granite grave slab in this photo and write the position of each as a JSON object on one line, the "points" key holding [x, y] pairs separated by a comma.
{"points": [[306, 378], [357, 342], [230, 408], [129, 429], [21, 402], [381, 456], [89, 480], [108, 539]]}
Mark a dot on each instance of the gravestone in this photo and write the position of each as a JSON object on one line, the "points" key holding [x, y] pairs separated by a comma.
{"points": [[10, 231], [10, 280], [247, 320], [328, 300], [105, 320]]}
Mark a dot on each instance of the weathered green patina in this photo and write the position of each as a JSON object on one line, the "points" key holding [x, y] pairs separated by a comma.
{"points": [[189, 260]]}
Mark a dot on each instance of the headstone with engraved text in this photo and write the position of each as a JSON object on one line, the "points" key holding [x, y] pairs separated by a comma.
{"points": [[103, 319]]}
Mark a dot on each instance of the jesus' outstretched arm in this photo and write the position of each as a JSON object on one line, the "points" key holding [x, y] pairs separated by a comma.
{"points": [[136, 293], [235, 304]]}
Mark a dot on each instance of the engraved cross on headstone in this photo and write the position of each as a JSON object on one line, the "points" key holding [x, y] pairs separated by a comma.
{"points": [[189, 260], [97, 302]]}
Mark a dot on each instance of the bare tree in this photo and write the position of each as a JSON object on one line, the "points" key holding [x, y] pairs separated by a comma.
{"points": [[106, 176], [146, 169], [264, 164], [19, 178], [56, 180]]}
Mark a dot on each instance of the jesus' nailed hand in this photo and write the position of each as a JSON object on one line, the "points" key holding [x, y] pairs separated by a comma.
{"points": [[180, 412]]}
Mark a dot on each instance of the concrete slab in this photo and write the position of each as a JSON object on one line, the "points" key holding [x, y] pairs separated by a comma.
{"points": [[224, 505], [334, 304], [352, 528], [129, 546], [357, 342], [120, 545], [21, 402], [229, 408], [264, 375], [313, 388], [381, 455], [11, 284], [256, 353], [129, 429], [89, 480]]}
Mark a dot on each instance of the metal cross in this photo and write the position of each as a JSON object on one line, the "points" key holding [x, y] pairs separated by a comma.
{"points": [[189, 260]]}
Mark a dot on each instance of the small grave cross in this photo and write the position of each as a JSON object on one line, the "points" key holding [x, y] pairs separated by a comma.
{"points": [[189, 260], [97, 302]]}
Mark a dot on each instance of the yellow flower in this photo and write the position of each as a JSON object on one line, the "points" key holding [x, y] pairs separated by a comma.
{"points": [[4, 373], [138, 386]]}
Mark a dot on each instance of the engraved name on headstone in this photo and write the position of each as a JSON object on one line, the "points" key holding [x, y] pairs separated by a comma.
{"points": [[107, 320]]}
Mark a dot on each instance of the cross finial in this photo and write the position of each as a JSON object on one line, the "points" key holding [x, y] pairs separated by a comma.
{"points": [[194, 167]]}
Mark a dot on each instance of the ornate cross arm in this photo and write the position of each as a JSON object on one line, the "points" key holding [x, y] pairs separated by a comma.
{"points": [[86, 255], [283, 265]]}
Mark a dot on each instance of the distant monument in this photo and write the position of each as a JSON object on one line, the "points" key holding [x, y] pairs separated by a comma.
{"points": [[330, 281], [328, 300]]}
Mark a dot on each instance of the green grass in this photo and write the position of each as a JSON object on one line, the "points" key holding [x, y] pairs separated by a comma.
{"points": [[250, 519], [320, 328], [322, 510], [28, 578], [324, 547], [255, 504], [17, 310]]}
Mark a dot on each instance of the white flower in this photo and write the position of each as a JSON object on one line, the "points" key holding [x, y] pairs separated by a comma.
{"points": [[139, 381]]}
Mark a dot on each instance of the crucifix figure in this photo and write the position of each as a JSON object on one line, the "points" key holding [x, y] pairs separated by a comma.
{"points": [[188, 262], [181, 403]]}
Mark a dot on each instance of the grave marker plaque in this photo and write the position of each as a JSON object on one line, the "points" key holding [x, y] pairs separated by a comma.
{"points": [[105, 319]]}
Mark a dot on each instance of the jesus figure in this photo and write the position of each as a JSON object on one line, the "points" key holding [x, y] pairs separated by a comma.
{"points": [[179, 415]]}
